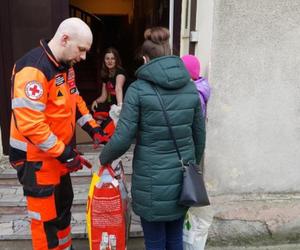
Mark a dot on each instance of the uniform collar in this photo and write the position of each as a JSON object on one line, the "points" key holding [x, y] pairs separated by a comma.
{"points": [[60, 66]]}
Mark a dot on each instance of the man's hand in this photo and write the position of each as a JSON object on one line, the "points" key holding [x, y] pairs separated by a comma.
{"points": [[74, 164], [73, 160], [99, 137]]}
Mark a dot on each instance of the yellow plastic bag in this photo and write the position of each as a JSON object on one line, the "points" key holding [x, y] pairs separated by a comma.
{"points": [[95, 180]]}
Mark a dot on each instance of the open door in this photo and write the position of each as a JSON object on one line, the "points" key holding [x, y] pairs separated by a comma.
{"points": [[19, 32]]}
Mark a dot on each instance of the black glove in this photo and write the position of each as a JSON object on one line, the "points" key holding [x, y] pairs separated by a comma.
{"points": [[71, 158]]}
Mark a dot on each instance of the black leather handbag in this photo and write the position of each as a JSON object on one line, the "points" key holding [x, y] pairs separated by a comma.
{"points": [[193, 193]]}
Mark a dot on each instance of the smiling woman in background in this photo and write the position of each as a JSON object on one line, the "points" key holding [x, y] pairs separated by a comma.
{"points": [[113, 79]]}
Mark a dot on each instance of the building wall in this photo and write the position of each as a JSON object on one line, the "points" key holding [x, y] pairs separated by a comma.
{"points": [[253, 127]]}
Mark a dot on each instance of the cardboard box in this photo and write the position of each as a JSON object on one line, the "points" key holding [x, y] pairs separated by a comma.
{"points": [[82, 136]]}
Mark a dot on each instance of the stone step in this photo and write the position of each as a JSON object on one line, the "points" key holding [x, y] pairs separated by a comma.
{"points": [[138, 244], [84, 178], [21, 210], [10, 181], [13, 196], [133, 243], [10, 173], [15, 224]]}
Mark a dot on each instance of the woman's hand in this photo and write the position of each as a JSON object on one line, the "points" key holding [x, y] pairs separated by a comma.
{"points": [[114, 113], [100, 99], [94, 105]]}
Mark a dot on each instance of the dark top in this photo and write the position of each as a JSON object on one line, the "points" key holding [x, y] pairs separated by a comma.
{"points": [[111, 86]]}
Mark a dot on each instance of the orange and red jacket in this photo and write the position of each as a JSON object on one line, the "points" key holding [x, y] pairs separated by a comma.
{"points": [[45, 106]]}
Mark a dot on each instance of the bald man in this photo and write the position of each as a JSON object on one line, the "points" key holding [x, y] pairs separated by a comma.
{"points": [[45, 106], [71, 41]]}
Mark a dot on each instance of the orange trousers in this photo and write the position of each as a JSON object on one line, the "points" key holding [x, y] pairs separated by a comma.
{"points": [[49, 206]]}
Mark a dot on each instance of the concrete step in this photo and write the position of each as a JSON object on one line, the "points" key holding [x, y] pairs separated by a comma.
{"points": [[14, 223], [138, 244], [10, 173], [11, 195], [14, 195], [79, 244]]}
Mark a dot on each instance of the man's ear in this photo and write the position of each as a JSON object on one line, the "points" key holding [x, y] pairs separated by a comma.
{"points": [[64, 40]]}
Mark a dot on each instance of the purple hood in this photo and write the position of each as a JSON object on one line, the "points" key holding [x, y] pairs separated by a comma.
{"points": [[203, 88]]}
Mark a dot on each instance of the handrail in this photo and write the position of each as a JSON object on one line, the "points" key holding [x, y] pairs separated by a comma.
{"points": [[83, 14]]}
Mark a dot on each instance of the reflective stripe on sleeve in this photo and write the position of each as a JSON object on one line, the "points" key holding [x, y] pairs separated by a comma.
{"points": [[18, 144], [83, 119], [26, 103], [48, 143], [64, 240], [34, 215]]}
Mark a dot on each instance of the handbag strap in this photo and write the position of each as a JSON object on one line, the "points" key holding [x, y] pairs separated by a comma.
{"points": [[167, 121]]}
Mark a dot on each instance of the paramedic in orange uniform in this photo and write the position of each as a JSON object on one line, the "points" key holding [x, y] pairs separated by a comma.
{"points": [[45, 106]]}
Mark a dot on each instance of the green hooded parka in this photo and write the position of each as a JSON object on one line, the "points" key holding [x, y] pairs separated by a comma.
{"points": [[157, 172]]}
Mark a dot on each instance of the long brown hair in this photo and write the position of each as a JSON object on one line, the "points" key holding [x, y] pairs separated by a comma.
{"points": [[104, 73], [156, 42]]}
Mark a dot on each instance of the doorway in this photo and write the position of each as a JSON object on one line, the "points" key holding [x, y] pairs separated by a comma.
{"points": [[120, 28]]}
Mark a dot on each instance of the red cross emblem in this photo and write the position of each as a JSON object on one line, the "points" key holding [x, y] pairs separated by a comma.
{"points": [[34, 90]]}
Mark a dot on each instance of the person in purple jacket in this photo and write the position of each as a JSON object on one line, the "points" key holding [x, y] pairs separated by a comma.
{"points": [[192, 65]]}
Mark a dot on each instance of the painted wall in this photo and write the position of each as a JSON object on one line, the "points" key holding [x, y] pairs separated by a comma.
{"points": [[253, 130]]}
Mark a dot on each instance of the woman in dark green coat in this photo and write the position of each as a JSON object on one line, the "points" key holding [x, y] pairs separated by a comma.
{"points": [[157, 172]]}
